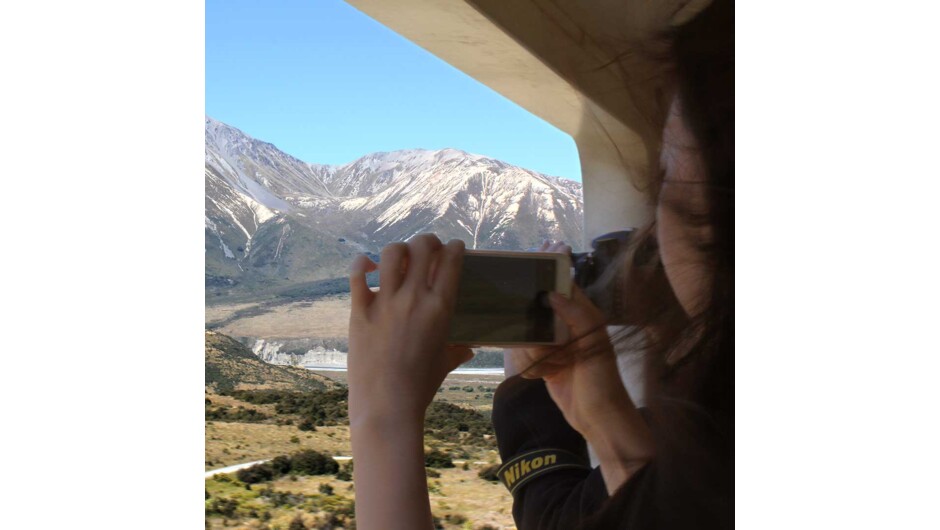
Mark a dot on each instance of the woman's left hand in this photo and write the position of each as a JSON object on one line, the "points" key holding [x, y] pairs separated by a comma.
{"points": [[398, 356], [592, 397], [585, 381]]}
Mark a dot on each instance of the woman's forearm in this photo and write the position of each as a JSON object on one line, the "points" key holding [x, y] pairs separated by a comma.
{"points": [[389, 476]]}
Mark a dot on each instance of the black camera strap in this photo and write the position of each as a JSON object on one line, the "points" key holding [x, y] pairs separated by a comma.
{"points": [[525, 467]]}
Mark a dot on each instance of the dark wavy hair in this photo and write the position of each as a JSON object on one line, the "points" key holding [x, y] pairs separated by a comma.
{"points": [[702, 55], [689, 359]]}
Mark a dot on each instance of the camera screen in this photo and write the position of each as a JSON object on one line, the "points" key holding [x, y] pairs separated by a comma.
{"points": [[503, 299]]}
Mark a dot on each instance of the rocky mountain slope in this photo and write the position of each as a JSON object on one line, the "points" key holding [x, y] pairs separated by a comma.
{"points": [[273, 221], [232, 366]]}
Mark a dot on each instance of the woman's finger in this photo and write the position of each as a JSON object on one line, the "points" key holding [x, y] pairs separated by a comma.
{"points": [[422, 252], [448, 269], [542, 368], [578, 311], [358, 286], [558, 246], [533, 363], [391, 267], [586, 322], [457, 355], [542, 371]]}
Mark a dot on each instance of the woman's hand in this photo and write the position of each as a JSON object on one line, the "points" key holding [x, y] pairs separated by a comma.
{"points": [[583, 379], [585, 382], [398, 355], [591, 395], [397, 360]]}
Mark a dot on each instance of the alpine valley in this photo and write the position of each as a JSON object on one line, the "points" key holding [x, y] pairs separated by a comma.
{"points": [[277, 225], [280, 234]]}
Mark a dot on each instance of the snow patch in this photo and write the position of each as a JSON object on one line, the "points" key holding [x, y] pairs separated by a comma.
{"points": [[226, 250]]}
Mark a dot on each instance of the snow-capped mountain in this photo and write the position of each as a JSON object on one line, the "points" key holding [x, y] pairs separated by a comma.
{"points": [[272, 219]]}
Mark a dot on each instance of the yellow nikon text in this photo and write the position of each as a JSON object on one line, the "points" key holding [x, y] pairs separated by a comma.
{"points": [[520, 469]]}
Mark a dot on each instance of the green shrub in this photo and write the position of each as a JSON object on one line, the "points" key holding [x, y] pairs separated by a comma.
{"points": [[455, 518], [281, 464], [437, 459], [326, 489], [313, 463], [228, 414], [297, 524], [281, 498], [489, 473], [320, 408], [223, 507], [307, 462], [256, 473], [346, 473], [446, 421]]}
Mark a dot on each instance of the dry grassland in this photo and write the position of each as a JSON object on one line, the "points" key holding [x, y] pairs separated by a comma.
{"points": [[247, 442], [455, 492], [463, 492], [324, 318], [216, 313]]}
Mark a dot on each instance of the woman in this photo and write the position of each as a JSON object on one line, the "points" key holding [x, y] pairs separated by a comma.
{"points": [[669, 467]]}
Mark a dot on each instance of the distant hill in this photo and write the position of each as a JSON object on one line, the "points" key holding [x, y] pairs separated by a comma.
{"points": [[273, 222], [232, 366]]}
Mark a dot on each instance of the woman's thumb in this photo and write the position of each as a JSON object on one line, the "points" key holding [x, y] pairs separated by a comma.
{"points": [[573, 311], [457, 356], [562, 305]]}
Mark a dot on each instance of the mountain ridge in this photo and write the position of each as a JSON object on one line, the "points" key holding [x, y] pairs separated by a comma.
{"points": [[273, 220]]}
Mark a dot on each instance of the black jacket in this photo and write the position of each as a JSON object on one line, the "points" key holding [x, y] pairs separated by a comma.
{"points": [[563, 492]]}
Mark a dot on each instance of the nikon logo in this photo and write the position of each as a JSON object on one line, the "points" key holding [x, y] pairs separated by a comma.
{"points": [[520, 470], [523, 467]]}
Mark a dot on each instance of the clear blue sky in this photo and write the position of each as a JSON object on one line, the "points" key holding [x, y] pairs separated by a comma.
{"points": [[327, 84]]}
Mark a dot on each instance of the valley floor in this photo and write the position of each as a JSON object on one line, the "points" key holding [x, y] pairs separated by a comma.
{"points": [[284, 319], [460, 498]]}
